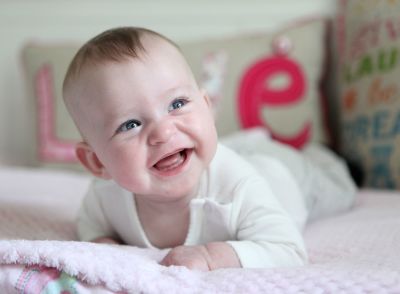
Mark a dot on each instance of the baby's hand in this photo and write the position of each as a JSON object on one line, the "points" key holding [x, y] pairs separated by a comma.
{"points": [[193, 257], [106, 240]]}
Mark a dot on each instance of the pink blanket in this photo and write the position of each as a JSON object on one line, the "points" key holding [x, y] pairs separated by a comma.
{"points": [[356, 252]]}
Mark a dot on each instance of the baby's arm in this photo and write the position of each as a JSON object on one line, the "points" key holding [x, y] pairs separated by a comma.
{"points": [[92, 223], [203, 257], [105, 240], [264, 236]]}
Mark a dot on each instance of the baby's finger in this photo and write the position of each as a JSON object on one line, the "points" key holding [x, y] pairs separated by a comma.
{"points": [[166, 261]]}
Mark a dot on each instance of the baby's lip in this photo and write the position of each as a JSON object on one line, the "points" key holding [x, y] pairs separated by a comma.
{"points": [[166, 155], [172, 163]]}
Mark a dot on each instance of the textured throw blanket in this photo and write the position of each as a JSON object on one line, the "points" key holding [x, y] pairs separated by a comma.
{"points": [[356, 252]]}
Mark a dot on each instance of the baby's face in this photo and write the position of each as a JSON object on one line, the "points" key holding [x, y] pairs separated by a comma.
{"points": [[148, 123]]}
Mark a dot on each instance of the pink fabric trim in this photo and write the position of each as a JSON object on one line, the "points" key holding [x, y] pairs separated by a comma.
{"points": [[35, 278], [51, 148]]}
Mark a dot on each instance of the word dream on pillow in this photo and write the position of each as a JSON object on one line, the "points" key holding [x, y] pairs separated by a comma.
{"points": [[264, 79], [368, 38]]}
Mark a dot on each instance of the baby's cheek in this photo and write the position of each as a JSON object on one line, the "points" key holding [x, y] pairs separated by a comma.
{"points": [[130, 177], [133, 183], [211, 140]]}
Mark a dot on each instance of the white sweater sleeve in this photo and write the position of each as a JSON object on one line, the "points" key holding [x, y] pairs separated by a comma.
{"points": [[92, 222], [265, 234]]}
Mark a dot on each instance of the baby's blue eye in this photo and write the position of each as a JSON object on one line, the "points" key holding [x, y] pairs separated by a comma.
{"points": [[128, 125], [177, 103]]}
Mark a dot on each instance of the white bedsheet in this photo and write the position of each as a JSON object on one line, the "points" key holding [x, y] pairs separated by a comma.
{"points": [[40, 203]]}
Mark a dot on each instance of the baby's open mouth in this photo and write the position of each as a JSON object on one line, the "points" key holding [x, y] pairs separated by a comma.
{"points": [[172, 161]]}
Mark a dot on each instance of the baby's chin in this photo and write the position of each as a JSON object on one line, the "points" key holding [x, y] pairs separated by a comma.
{"points": [[167, 192]]}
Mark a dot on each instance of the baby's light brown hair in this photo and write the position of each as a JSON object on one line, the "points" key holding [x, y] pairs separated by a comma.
{"points": [[116, 44]]}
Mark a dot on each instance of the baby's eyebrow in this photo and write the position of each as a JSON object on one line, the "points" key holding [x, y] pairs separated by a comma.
{"points": [[179, 90], [113, 119], [122, 112]]}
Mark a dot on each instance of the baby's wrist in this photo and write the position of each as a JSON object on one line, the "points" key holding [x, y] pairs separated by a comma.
{"points": [[213, 255], [221, 255], [106, 240], [208, 256]]}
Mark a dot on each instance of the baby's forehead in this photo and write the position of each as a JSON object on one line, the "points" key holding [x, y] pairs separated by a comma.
{"points": [[155, 52], [153, 49]]}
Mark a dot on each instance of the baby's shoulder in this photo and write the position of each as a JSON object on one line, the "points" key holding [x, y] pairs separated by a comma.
{"points": [[100, 191], [228, 170], [227, 161]]}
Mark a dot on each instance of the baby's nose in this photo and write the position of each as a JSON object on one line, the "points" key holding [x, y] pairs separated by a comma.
{"points": [[161, 132]]}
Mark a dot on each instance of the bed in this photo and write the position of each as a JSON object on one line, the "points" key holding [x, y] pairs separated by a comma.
{"points": [[354, 252]]}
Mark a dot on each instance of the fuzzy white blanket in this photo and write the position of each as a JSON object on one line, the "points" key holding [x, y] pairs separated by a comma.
{"points": [[356, 252]]}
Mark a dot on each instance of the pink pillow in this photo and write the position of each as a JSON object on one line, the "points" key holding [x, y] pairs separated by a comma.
{"points": [[268, 79], [368, 35]]}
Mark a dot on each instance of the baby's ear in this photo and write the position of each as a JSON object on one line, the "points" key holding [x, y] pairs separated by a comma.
{"points": [[89, 159], [209, 102], [205, 96]]}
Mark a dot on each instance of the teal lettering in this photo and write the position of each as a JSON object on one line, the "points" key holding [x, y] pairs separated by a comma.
{"points": [[396, 126], [362, 127], [379, 125], [381, 176], [356, 130]]}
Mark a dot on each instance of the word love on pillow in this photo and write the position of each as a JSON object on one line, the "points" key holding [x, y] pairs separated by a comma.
{"points": [[269, 80], [262, 79]]}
